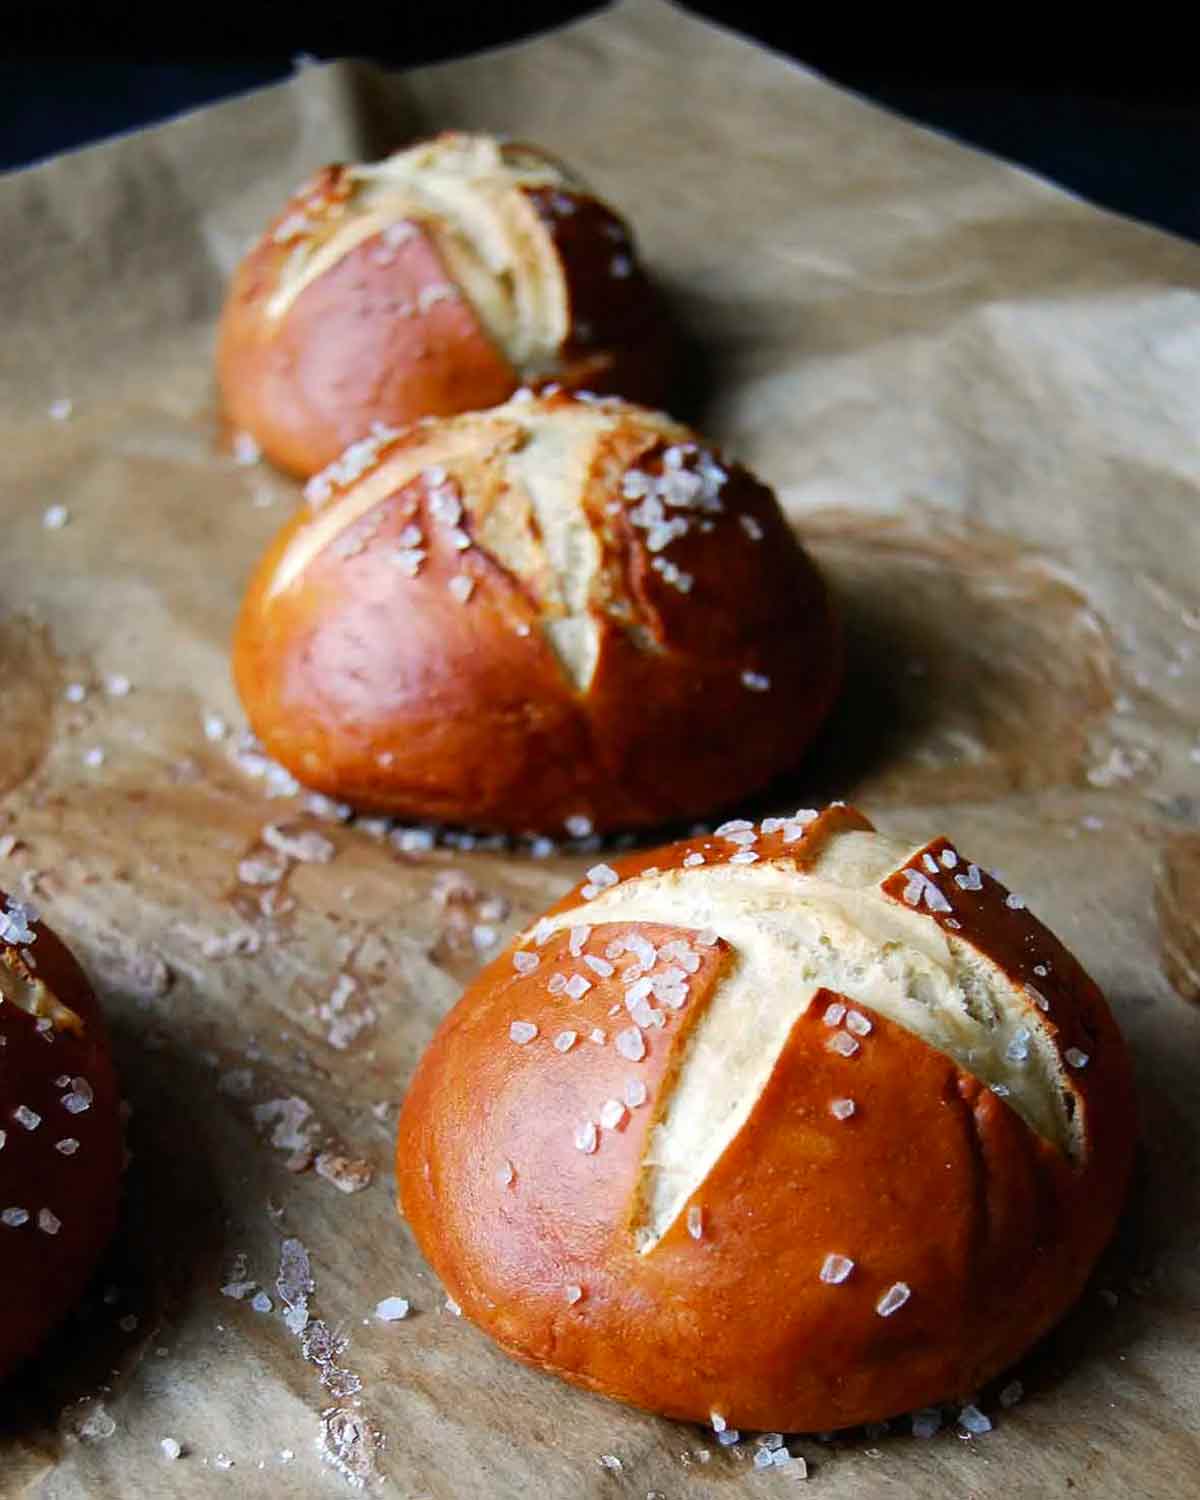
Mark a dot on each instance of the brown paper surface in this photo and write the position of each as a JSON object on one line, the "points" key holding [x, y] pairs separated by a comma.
{"points": [[978, 398]]}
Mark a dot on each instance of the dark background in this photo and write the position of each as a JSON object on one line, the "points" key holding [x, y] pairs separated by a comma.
{"points": [[1113, 116]]}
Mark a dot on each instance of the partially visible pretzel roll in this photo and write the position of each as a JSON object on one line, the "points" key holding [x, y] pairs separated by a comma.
{"points": [[555, 614], [433, 282], [60, 1134], [792, 1127]]}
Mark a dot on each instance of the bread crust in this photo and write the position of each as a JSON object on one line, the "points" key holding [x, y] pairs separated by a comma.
{"points": [[387, 691], [388, 332], [933, 1183], [57, 1086]]}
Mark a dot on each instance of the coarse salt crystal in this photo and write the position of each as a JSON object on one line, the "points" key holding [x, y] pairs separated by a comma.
{"points": [[603, 876], [170, 1448], [579, 936], [577, 987], [1014, 903], [836, 1268], [893, 1299], [757, 682], [717, 1421], [690, 861], [505, 1173], [565, 1040], [599, 966], [75, 692], [949, 859], [859, 1024], [68, 1146], [842, 1109], [461, 587], [60, 410], [695, 1221], [578, 825], [573, 1292], [743, 857], [27, 1117], [612, 1112], [48, 1221], [930, 863], [117, 685], [215, 727], [971, 881], [631, 1044], [597, 1036], [834, 1013], [525, 963], [734, 825], [972, 1420], [635, 1092], [522, 1032], [1076, 1058], [586, 1138], [55, 517], [93, 757], [392, 1309], [751, 527], [13, 1218], [558, 983]]}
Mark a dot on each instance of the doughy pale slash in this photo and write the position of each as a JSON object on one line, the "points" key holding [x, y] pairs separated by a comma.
{"points": [[878, 1126], [548, 616], [436, 281]]}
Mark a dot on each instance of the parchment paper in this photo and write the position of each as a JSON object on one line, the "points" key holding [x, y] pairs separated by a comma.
{"points": [[978, 399]]}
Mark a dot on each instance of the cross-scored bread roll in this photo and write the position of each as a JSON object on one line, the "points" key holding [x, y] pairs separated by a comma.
{"points": [[60, 1134], [436, 281], [792, 1127], [558, 613]]}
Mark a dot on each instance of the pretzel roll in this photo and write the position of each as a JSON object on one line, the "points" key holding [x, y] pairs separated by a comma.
{"points": [[792, 1127], [60, 1133], [558, 613], [434, 282]]}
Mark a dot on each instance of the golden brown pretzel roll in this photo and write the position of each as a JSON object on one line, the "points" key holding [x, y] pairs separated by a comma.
{"points": [[559, 609], [60, 1133], [795, 1124], [436, 281]]}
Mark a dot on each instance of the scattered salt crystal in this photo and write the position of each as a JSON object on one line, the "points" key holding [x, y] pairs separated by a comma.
{"points": [[522, 1032], [631, 1044], [611, 1461], [926, 1422], [565, 1040], [75, 692], [1076, 1058], [48, 1222], [223, 1461], [27, 1117], [578, 825], [602, 876], [55, 517], [304, 845], [756, 682], [483, 936], [842, 1044], [734, 825], [690, 861], [524, 962], [261, 1303], [543, 931], [572, 1293], [764, 1459], [1018, 1046], [949, 859], [118, 685], [743, 857], [453, 1307], [171, 1448], [612, 1112], [859, 1024], [579, 936], [1014, 903], [461, 587], [695, 1221], [971, 881], [599, 966], [68, 1146], [13, 1218], [348, 1174], [972, 1420], [730, 1436], [215, 727], [577, 987], [635, 1092], [60, 410], [841, 1109], [751, 527], [834, 1013], [893, 1299], [505, 1173], [93, 757], [586, 1138], [836, 1268], [597, 1036], [238, 1290], [919, 887], [392, 1309], [718, 1422]]}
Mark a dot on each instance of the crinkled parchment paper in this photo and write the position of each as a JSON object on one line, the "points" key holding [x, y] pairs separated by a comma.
{"points": [[979, 401]]}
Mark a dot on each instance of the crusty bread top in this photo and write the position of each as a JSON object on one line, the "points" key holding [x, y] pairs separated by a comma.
{"points": [[471, 195], [814, 904], [541, 485]]}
